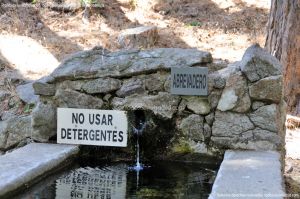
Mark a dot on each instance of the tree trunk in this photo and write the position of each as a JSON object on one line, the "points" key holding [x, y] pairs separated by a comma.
{"points": [[283, 41]]}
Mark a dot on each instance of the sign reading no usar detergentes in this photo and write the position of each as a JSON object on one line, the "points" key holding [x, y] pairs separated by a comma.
{"points": [[92, 127], [189, 81]]}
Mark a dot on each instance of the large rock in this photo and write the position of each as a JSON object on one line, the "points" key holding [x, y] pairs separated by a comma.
{"points": [[241, 141], [139, 37], [207, 131], [214, 98], [131, 86], [256, 139], [228, 100], [3, 134], [269, 88], [95, 63], [18, 129], [257, 64], [182, 106], [235, 95], [41, 88], [272, 138], [257, 104], [210, 118], [155, 82], [265, 117], [73, 85], [192, 128], [228, 124], [249, 141], [217, 79], [14, 130], [26, 93], [43, 122], [163, 104], [198, 105], [101, 85], [197, 147], [74, 99], [167, 84], [6, 115]]}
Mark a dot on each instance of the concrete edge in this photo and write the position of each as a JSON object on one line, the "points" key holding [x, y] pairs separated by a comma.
{"points": [[281, 193], [40, 172]]}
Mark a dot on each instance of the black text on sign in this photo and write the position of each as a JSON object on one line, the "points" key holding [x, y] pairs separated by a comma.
{"points": [[92, 127]]}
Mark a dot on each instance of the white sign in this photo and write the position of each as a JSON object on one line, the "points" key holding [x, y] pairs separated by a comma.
{"points": [[92, 127]]}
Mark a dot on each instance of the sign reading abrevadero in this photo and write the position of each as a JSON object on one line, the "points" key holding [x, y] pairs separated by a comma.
{"points": [[189, 81], [92, 127]]}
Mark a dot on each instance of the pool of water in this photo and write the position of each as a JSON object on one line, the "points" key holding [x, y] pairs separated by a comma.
{"points": [[118, 180]]}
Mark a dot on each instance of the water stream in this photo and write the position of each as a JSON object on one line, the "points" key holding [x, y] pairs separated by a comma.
{"points": [[138, 131]]}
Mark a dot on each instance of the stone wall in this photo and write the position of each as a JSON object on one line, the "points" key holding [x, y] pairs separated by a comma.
{"points": [[242, 111]]}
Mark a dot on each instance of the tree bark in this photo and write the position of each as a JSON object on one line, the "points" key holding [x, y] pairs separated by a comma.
{"points": [[283, 41]]}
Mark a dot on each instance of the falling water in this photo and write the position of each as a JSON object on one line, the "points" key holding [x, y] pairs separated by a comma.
{"points": [[138, 132], [138, 165]]}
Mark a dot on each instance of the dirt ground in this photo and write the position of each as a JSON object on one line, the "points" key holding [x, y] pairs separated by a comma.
{"points": [[292, 176], [225, 28], [292, 161]]}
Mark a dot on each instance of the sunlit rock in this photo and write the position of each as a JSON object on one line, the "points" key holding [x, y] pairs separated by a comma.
{"points": [[267, 89], [258, 63]]}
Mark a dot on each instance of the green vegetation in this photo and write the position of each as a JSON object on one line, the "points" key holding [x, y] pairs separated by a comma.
{"points": [[194, 23], [133, 4], [182, 147], [146, 192], [89, 3], [28, 108], [154, 193]]}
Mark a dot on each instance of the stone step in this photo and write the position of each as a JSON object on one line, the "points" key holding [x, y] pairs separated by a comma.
{"points": [[27, 164], [248, 175]]}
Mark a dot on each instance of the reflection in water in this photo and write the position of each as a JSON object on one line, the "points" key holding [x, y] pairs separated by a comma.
{"points": [[116, 181], [93, 183]]}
